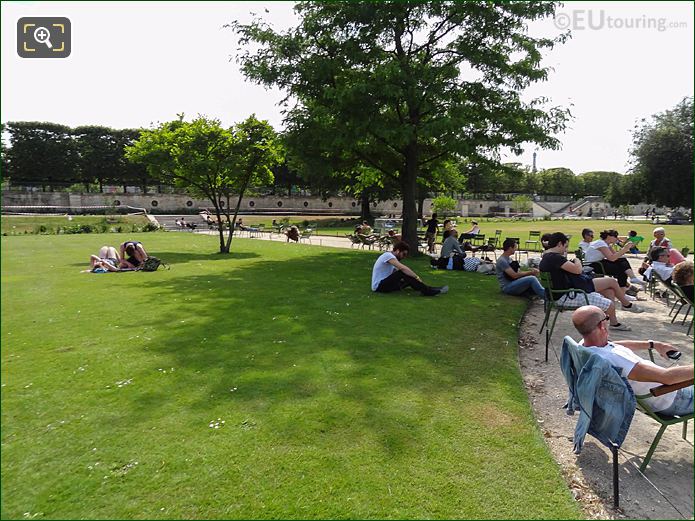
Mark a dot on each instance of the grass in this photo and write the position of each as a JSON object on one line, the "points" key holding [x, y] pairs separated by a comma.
{"points": [[681, 235], [20, 224], [332, 402]]}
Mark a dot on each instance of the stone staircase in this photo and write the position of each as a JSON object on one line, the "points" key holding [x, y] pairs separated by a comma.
{"points": [[168, 222]]}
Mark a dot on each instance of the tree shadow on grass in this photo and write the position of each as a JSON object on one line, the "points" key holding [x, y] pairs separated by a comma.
{"points": [[176, 257], [305, 337]]}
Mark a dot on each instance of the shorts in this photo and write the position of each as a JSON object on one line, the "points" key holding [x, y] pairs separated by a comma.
{"points": [[595, 299], [113, 262]]}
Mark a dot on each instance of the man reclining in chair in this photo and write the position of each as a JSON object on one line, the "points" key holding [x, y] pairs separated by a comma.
{"points": [[590, 322]]}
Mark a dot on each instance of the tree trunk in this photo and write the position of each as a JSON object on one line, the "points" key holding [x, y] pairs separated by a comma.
{"points": [[220, 226], [408, 189], [365, 212], [420, 206], [236, 212]]}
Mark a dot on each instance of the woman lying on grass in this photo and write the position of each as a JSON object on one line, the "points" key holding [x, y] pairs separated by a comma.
{"points": [[107, 260]]}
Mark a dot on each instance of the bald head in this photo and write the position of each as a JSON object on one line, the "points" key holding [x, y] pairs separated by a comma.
{"points": [[586, 318]]}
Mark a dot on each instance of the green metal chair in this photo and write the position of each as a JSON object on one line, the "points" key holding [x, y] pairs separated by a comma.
{"points": [[579, 357], [306, 235], [682, 300], [661, 419], [478, 240], [552, 296], [534, 239]]}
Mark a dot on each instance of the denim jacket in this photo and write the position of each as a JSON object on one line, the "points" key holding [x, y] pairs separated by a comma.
{"points": [[605, 399]]}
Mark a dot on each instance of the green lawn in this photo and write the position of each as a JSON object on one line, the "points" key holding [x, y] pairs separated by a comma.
{"points": [[20, 224], [331, 401]]}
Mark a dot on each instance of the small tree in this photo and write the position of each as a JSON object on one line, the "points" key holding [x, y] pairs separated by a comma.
{"points": [[210, 161], [443, 204], [522, 204]]}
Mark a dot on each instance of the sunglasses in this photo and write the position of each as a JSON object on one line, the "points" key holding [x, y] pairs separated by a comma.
{"points": [[604, 319]]}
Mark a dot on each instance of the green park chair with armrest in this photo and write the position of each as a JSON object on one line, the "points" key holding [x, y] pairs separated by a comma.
{"points": [[354, 240], [534, 239], [658, 282], [663, 420], [367, 240], [552, 296], [478, 240], [306, 235], [682, 300], [578, 357]]}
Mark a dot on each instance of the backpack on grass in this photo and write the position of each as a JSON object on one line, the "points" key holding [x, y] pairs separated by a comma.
{"points": [[152, 263]]}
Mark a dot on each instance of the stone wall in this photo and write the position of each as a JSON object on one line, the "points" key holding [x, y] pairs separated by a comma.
{"points": [[169, 203]]}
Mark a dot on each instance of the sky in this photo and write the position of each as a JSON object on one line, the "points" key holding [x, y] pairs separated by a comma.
{"points": [[134, 64]]}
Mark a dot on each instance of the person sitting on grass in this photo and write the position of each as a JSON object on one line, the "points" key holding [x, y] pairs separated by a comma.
{"points": [[683, 276], [136, 254], [451, 252], [512, 281], [389, 274], [566, 274], [642, 374]]}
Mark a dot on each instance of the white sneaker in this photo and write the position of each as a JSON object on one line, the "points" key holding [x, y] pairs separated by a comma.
{"points": [[630, 298], [620, 327], [633, 309]]}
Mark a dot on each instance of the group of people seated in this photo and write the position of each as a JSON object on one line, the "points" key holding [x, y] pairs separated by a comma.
{"points": [[183, 224], [453, 254], [205, 215], [433, 227], [602, 256], [131, 256]]}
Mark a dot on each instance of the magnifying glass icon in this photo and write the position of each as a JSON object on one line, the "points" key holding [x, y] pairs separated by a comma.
{"points": [[43, 35]]}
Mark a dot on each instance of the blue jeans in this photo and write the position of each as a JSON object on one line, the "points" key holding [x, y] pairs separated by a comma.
{"points": [[518, 286], [682, 405]]}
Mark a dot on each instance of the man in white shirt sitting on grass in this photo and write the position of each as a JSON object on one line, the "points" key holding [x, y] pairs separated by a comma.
{"points": [[389, 274]]}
